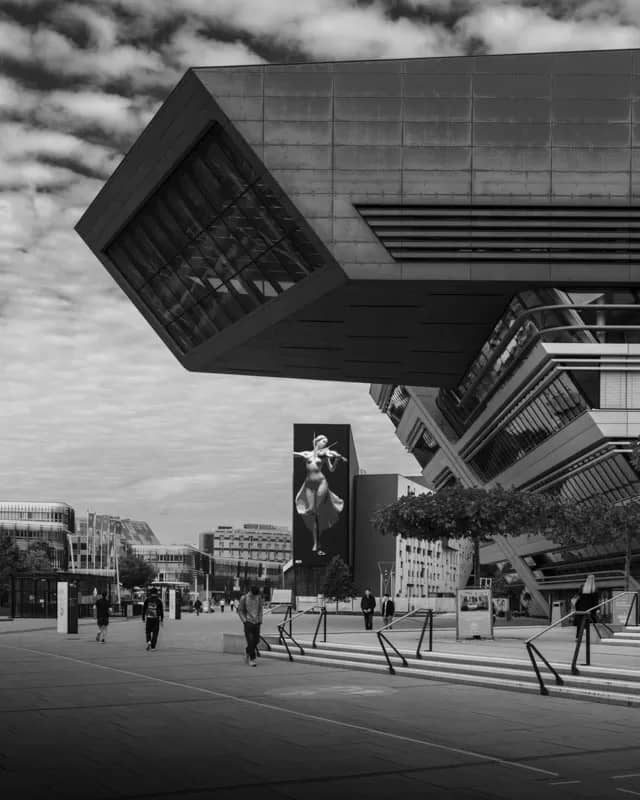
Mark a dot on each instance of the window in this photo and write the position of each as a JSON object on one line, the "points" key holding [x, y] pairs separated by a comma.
{"points": [[212, 244]]}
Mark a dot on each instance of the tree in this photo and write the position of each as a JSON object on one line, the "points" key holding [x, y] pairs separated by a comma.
{"points": [[10, 557], [38, 557], [135, 571], [457, 512], [338, 584]]}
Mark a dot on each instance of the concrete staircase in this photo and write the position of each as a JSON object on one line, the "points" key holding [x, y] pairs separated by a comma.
{"points": [[628, 636], [596, 684]]}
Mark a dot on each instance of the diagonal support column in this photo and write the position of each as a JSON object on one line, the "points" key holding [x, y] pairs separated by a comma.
{"points": [[523, 570]]}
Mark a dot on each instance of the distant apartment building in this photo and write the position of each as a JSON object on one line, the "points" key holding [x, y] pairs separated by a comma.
{"points": [[50, 523], [253, 542], [404, 567], [180, 566]]}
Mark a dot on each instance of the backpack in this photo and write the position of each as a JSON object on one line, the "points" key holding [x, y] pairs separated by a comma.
{"points": [[152, 608]]}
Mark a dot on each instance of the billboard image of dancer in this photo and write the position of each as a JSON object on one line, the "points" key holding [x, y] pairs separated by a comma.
{"points": [[321, 489]]}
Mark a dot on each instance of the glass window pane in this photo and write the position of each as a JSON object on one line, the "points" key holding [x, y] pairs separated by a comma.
{"points": [[246, 234], [229, 246], [183, 213], [222, 167], [198, 205], [156, 234], [148, 253], [174, 232], [126, 265], [219, 194], [258, 216], [214, 257]]}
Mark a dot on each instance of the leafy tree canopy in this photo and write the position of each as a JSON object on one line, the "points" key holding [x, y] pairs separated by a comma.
{"points": [[338, 584], [135, 571]]}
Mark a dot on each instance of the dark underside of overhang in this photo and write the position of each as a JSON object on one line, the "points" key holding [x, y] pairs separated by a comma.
{"points": [[375, 332]]}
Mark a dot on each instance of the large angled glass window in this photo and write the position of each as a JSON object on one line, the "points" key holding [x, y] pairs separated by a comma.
{"points": [[212, 244]]}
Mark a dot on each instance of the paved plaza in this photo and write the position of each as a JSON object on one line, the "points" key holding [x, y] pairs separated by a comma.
{"points": [[86, 720]]}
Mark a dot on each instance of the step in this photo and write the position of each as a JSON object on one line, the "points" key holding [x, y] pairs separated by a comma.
{"points": [[452, 677], [575, 692], [589, 678], [621, 640], [593, 684]]}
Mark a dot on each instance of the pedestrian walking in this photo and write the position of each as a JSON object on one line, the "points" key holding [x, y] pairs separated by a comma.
{"points": [[368, 605], [388, 610], [197, 607], [222, 605], [250, 610], [102, 617], [153, 614], [587, 599]]}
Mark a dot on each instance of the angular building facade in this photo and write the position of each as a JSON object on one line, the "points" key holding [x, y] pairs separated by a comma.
{"points": [[467, 226]]}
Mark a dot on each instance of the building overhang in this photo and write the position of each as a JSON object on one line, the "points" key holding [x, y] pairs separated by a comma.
{"points": [[370, 221]]}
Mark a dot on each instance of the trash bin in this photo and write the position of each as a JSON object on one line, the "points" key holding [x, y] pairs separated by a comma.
{"points": [[556, 611]]}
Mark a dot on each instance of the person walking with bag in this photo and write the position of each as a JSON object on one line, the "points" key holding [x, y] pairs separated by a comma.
{"points": [[153, 614], [368, 604], [250, 612]]}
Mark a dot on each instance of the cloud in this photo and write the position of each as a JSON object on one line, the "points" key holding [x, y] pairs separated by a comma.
{"points": [[191, 47], [95, 409], [511, 28]]}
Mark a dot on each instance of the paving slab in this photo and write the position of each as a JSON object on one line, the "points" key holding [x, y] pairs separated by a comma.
{"points": [[114, 721]]}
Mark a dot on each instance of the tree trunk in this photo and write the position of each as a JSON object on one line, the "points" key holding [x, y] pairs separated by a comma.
{"points": [[627, 562]]}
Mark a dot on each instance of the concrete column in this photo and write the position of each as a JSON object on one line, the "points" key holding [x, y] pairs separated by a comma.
{"points": [[523, 570]]}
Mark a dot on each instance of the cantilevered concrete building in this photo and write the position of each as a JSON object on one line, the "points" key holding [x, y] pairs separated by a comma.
{"points": [[468, 225]]}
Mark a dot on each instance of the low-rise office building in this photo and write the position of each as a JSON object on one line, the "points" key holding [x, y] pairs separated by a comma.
{"points": [[49, 523], [252, 541]]}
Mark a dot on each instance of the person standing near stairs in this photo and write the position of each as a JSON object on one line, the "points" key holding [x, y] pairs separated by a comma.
{"points": [[250, 612], [368, 605], [387, 610]]}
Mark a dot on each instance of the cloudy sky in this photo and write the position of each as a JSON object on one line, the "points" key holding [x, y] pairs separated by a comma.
{"points": [[94, 410]]}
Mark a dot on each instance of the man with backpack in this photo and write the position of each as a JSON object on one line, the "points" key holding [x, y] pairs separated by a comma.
{"points": [[102, 617], [153, 613]]}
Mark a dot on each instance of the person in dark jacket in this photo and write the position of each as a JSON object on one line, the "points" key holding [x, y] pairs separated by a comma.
{"points": [[102, 617], [197, 607], [368, 604], [250, 612], [387, 610], [587, 599], [153, 615]]}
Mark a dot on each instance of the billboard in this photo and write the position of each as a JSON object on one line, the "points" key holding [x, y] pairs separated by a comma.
{"points": [[321, 493], [474, 613]]}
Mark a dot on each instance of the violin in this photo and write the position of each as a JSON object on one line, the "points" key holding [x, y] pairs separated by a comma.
{"points": [[327, 453]]}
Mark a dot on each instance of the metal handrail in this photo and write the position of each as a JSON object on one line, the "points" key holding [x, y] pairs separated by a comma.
{"points": [[323, 616], [585, 625], [382, 638], [283, 633]]}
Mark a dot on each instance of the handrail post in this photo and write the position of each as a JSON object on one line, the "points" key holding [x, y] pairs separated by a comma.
{"points": [[543, 688], [430, 630]]}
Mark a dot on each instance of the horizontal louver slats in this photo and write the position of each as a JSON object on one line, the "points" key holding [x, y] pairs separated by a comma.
{"points": [[534, 234]]}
